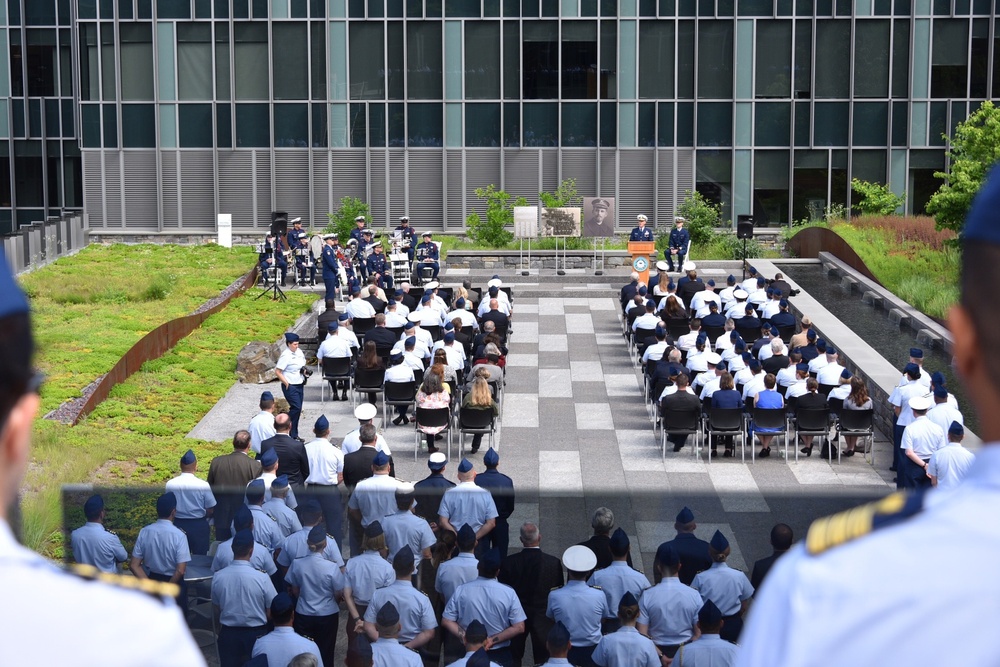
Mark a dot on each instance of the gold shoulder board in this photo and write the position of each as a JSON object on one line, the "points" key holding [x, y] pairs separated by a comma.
{"points": [[844, 527], [159, 589]]}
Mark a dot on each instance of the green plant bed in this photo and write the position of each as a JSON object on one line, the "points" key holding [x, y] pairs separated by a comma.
{"points": [[136, 436], [90, 308]]}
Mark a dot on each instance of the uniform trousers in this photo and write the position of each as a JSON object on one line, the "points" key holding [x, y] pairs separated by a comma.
{"points": [[352, 659], [453, 648], [182, 594], [914, 476], [501, 656], [669, 650], [197, 534], [331, 288], [582, 656], [434, 266], [732, 626], [670, 258], [355, 533], [225, 509], [293, 394], [537, 626], [332, 505], [236, 644], [323, 631], [498, 538], [897, 451]]}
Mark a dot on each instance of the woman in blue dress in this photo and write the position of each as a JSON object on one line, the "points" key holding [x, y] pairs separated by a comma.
{"points": [[768, 398], [727, 397]]}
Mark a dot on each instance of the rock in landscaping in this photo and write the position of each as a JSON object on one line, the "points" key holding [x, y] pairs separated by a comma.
{"points": [[255, 362]]}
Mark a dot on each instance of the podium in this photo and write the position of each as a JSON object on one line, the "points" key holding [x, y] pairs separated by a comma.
{"points": [[640, 252]]}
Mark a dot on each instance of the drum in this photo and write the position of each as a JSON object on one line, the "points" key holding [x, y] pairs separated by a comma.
{"points": [[316, 245]]}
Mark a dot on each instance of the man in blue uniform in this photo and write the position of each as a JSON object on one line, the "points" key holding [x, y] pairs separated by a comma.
{"points": [[282, 644], [243, 597], [379, 268], [359, 227], [274, 257], [195, 504], [467, 503], [693, 552], [579, 607], [409, 234], [429, 491], [296, 233], [501, 487], [677, 244], [93, 544], [427, 254], [641, 233], [161, 551], [331, 266]]}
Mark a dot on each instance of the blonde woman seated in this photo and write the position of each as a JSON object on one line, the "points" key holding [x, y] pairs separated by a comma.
{"points": [[432, 395], [480, 397]]}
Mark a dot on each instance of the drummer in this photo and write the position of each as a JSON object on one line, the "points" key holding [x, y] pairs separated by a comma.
{"points": [[429, 256], [273, 257], [409, 236]]}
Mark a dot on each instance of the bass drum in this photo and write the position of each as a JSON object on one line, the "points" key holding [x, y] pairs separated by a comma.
{"points": [[316, 245]]}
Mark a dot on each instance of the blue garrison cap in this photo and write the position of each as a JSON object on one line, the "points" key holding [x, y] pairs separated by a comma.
{"points": [[685, 515], [774, 332], [667, 555], [491, 458], [425, 298], [721, 366], [166, 503], [650, 303], [344, 317], [280, 482], [387, 616], [322, 423], [188, 458], [475, 631], [940, 391], [282, 604], [619, 542], [93, 507], [255, 489], [719, 541], [374, 529], [380, 459], [460, 302], [269, 458], [12, 299], [558, 635], [243, 518], [831, 350], [363, 648], [937, 377], [396, 358], [746, 357], [642, 290], [753, 271], [464, 466], [711, 283], [846, 374], [659, 331], [731, 280], [242, 539], [628, 600], [671, 284], [956, 429], [760, 281], [709, 614], [821, 344], [449, 337], [333, 326], [783, 303], [912, 369], [754, 364], [466, 537], [411, 341], [267, 396], [448, 326], [410, 325], [811, 334], [398, 292], [916, 353], [702, 338], [749, 308], [490, 560], [802, 367], [769, 291], [356, 289], [403, 558], [291, 337], [740, 345]]}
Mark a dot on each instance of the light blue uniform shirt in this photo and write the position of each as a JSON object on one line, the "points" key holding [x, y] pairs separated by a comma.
{"points": [[375, 498], [406, 529], [318, 581], [366, 573], [282, 644], [94, 545], [708, 651], [296, 545], [670, 610], [464, 660], [451, 574], [265, 528], [161, 547], [415, 611], [923, 436], [260, 558], [194, 496], [626, 648], [581, 609], [724, 586], [495, 605], [390, 653], [469, 504], [243, 595], [616, 579], [286, 518]]}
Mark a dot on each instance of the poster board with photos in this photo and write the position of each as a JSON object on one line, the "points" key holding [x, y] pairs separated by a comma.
{"points": [[525, 222], [560, 222]]}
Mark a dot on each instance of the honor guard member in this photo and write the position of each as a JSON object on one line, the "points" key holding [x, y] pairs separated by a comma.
{"points": [[921, 439], [429, 491], [641, 233], [406, 530], [900, 401], [262, 425], [428, 256], [711, 650], [326, 474], [618, 578], [668, 611], [692, 551], [729, 589], [331, 267], [285, 517], [374, 498], [581, 608], [296, 233], [265, 528], [318, 585], [386, 650], [917, 357], [950, 464], [626, 647], [942, 413], [260, 559], [243, 597], [161, 550], [365, 414], [416, 615], [460, 569], [938, 380], [364, 573], [467, 503], [379, 267], [501, 488], [284, 643], [93, 544], [677, 244], [195, 504], [296, 545], [365, 250], [409, 235], [289, 371], [494, 604]]}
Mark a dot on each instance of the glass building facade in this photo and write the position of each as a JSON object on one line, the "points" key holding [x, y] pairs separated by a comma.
{"points": [[156, 115]]}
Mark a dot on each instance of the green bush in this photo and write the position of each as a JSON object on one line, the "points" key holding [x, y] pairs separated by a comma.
{"points": [[702, 218], [732, 247], [159, 288], [492, 232], [342, 222], [876, 198]]}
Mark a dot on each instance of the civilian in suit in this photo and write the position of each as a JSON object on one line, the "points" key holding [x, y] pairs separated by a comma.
{"points": [[532, 573], [494, 315], [324, 319], [372, 298], [292, 458], [603, 522], [811, 400], [781, 541], [228, 475], [693, 552], [408, 300], [382, 337], [682, 399]]}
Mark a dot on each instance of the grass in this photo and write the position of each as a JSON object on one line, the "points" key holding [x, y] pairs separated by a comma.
{"points": [[90, 308]]}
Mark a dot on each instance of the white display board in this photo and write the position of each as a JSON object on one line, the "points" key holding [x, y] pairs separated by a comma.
{"points": [[525, 222], [225, 227]]}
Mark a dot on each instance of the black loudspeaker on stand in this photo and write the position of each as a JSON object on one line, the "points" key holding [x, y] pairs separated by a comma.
{"points": [[744, 230], [279, 223]]}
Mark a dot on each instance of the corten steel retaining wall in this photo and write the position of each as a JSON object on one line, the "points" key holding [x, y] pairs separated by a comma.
{"points": [[809, 243], [155, 344]]}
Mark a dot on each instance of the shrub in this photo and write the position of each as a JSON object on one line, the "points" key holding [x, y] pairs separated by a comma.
{"points": [[702, 218], [564, 196], [492, 232], [342, 222], [732, 247], [159, 288], [876, 198], [907, 229]]}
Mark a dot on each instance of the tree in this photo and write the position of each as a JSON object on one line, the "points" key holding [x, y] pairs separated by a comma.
{"points": [[342, 222], [492, 231], [702, 217], [564, 196], [973, 149], [876, 199]]}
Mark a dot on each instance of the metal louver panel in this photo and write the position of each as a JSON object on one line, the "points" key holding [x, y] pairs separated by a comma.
{"points": [[550, 172], [635, 187], [666, 187], [350, 176], [482, 168], [262, 189], [454, 190], [520, 176], [396, 204], [140, 189], [291, 183], [376, 176], [113, 190], [170, 189], [581, 165], [684, 178], [321, 190], [197, 190], [236, 187], [93, 187], [426, 189]]}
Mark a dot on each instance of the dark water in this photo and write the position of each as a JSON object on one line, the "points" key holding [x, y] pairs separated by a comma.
{"points": [[873, 325]]}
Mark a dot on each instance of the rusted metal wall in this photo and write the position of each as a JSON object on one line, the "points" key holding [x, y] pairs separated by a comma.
{"points": [[154, 345], [810, 242]]}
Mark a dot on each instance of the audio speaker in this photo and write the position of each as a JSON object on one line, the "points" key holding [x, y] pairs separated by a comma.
{"points": [[744, 226], [279, 223]]}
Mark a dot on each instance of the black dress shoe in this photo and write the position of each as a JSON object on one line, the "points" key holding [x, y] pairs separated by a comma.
{"points": [[808, 451], [847, 452], [764, 453], [678, 448], [397, 421], [727, 454]]}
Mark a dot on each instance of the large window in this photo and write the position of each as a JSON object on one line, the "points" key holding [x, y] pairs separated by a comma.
{"points": [[194, 61], [541, 60], [41, 62], [367, 73], [424, 76], [833, 55], [482, 61], [715, 60], [250, 60], [290, 55], [137, 61], [774, 59], [656, 59], [949, 61], [579, 60], [871, 59]]}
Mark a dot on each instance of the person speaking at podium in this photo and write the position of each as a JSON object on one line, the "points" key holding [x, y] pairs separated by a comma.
{"points": [[641, 233]]}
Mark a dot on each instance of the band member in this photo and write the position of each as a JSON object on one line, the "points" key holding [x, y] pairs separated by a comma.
{"points": [[427, 254], [365, 250], [296, 234], [331, 267], [305, 263], [379, 267], [273, 257], [359, 226], [409, 236]]}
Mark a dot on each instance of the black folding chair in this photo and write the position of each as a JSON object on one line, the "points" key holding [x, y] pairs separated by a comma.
{"points": [[680, 422], [335, 369], [362, 325], [431, 417], [367, 381], [476, 421], [772, 418], [728, 422], [748, 334], [434, 330], [397, 393], [860, 423], [786, 333], [815, 422]]}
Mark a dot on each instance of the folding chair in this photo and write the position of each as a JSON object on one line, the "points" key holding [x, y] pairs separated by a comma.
{"points": [[397, 393], [786, 333], [431, 417], [772, 418], [748, 334], [680, 422], [362, 325], [859, 423], [476, 421], [434, 330], [367, 381], [335, 368], [815, 422], [726, 421]]}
